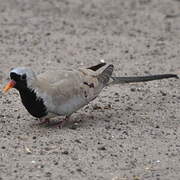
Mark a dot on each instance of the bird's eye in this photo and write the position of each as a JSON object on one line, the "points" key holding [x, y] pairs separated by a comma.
{"points": [[23, 77]]}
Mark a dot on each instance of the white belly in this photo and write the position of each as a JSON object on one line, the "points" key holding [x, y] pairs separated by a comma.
{"points": [[67, 107], [71, 105]]}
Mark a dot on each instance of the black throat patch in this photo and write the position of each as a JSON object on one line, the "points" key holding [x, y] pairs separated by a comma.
{"points": [[34, 105]]}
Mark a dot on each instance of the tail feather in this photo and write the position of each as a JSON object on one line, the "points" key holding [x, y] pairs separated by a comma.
{"points": [[106, 74], [117, 80]]}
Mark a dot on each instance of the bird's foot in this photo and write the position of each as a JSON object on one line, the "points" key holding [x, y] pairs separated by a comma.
{"points": [[44, 121], [61, 123]]}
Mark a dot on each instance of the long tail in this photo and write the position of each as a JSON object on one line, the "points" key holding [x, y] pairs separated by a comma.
{"points": [[117, 80], [106, 74]]}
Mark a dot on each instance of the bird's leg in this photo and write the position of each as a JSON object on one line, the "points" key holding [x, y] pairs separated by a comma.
{"points": [[62, 122], [44, 121]]}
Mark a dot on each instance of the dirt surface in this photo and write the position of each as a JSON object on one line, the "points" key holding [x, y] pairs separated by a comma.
{"points": [[131, 132]]}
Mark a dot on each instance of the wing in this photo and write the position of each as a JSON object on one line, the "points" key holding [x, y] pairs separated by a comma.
{"points": [[67, 91], [82, 83], [54, 76]]}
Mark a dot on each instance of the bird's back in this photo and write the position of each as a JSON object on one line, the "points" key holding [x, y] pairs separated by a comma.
{"points": [[68, 90]]}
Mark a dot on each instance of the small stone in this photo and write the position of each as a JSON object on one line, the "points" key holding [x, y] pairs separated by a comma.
{"points": [[96, 107], [102, 148], [77, 140], [125, 132], [48, 34], [133, 89], [40, 166], [18, 117], [79, 170], [48, 174], [108, 127], [65, 152], [146, 72], [136, 178], [73, 127], [58, 60], [163, 93]]}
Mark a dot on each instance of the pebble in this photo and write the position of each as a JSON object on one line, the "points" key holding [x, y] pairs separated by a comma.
{"points": [[102, 148], [65, 152]]}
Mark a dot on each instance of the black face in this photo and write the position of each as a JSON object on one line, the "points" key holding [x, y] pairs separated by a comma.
{"points": [[21, 81]]}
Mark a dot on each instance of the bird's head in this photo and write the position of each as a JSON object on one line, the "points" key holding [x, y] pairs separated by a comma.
{"points": [[21, 78]]}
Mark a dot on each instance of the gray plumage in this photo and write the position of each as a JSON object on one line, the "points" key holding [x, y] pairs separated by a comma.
{"points": [[63, 92]]}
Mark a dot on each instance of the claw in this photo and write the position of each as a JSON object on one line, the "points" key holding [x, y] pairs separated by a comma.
{"points": [[61, 123], [44, 121]]}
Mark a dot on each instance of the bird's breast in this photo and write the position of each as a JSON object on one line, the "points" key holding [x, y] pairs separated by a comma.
{"points": [[34, 105]]}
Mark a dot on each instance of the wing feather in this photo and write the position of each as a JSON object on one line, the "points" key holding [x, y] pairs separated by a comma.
{"points": [[67, 91]]}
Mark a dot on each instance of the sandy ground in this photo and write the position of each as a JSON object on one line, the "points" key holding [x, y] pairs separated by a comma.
{"points": [[131, 132]]}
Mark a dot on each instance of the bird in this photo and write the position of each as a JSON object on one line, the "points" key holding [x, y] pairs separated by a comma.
{"points": [[63, 92]]}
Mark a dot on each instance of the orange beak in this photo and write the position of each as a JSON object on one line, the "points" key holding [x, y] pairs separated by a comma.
{"points": [[9, 85]]}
